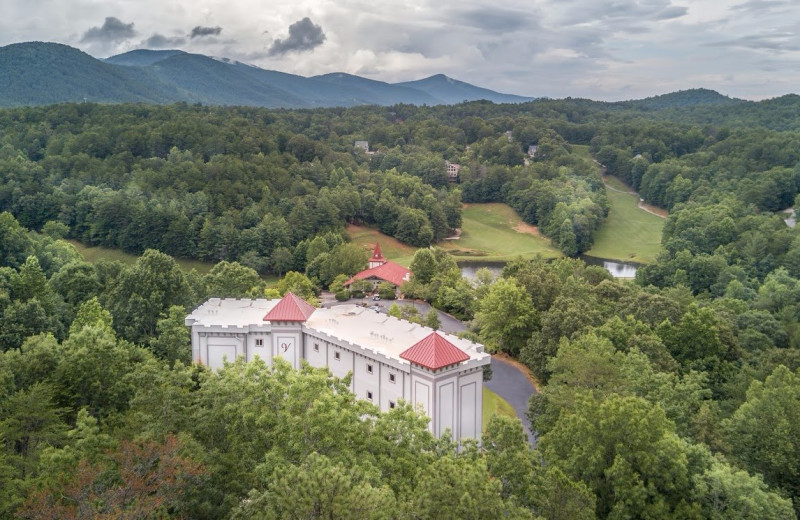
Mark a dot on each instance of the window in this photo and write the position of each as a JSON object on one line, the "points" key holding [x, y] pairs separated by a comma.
{"points": [[316, 347], [392, 378], [391, 404], [369, 395], [337, 356], [259, 342], [369, 369]]}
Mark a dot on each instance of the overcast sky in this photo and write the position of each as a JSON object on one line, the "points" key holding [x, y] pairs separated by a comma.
{"points": [[606, 50]]}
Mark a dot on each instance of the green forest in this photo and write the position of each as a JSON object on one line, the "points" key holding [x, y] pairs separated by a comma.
{"points": [[675, 395]]}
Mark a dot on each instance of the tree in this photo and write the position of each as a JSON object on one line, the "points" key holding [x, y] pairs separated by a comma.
{"points": [[432, 319], [173, 341], [764, 433], [458, 487], [506, 316], [319, 488], [143, 292], [139, 480], [230, 280], [627, 453], [298, 284]]}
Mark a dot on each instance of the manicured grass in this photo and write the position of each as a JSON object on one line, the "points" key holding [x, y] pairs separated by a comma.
{"points": [[495, 233], [94, 253], [629, 233], [494, 404], [391, 248]]}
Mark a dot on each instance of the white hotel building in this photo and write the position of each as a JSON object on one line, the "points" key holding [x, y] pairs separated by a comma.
{"points": [[389, 359]]}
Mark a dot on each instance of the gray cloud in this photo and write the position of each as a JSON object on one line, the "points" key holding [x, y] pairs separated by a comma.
{"points": [[112, 30], [159, 41], [303, 36], [496, 20], [201, 31], [777, 41], [761, 6]]}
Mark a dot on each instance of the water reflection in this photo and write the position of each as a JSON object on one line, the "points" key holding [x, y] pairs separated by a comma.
{"points": [[617, 269]]}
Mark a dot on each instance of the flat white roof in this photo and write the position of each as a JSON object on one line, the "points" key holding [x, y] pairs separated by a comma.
{"points": [[358, 325]]}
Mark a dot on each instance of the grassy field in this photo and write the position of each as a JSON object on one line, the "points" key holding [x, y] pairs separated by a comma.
{"points": [[494, 404], [490, 233], [629, 234], [495, 233], [95, 253], [391, 248]]}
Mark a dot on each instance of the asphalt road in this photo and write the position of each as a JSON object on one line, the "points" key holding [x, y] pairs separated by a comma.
{"points": [[511, 384]]}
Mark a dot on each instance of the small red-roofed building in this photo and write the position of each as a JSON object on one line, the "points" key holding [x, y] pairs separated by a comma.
{"points": [[381, 270], [388, 360]]}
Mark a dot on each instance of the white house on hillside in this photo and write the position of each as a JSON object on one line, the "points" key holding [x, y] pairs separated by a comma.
{"points": [[389, 359]]}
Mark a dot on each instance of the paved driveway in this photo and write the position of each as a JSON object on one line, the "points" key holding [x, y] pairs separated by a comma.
{"points": [[511, 384]]}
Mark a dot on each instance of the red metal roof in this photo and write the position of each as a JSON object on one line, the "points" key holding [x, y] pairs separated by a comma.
{"points": [[434, 352], [390, 272], [290, 308], [377, 256]]}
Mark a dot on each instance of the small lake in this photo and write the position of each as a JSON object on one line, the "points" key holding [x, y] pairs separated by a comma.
{"points": [[617, 269]]}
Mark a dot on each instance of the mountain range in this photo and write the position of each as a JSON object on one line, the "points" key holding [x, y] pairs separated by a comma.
{"points": [[37, 73]]}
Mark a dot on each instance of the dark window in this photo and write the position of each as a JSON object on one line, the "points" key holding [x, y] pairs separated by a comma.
{"points": [[391, 378], [391, 404], [369, 395], [336, 356], [369, 369], [316, 347]]}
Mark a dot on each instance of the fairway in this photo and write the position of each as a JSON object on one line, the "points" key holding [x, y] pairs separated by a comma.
{"points": [[494, 404], [629, 233], [494, 232]]}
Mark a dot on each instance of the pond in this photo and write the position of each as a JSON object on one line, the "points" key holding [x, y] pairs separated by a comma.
{"points": [[617, 269]]}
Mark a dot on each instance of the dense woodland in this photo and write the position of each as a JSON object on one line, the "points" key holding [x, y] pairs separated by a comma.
{"points": [[674, 396]]}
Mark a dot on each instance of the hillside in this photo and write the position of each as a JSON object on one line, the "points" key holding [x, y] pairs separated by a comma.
{"points": [[40, 73], [451, 91]]}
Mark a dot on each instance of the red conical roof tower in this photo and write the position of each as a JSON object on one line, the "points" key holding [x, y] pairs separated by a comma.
{"points": [[434, 352], [290, 308], [377, 257]]}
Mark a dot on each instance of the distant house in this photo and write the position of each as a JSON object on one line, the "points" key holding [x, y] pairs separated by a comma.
{"points": [[509, 135], [362, 145], [452, 170], [381, 270], [532, 148]]}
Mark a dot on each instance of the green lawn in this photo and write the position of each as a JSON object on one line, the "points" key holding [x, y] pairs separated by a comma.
{"points": [[495, 233], [391, 248], [494, 404], [94, 253], [629, 233]]}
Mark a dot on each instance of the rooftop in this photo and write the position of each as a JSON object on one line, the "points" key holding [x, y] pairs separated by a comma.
{"points": [[358, 325]]}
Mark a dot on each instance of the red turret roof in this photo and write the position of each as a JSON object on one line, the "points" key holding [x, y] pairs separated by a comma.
{"points": [[377, 256], [290, 308], [434, 352], [389, 271]]}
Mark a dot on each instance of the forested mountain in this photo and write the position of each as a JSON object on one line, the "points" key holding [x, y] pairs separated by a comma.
{"points": [[45, 73], [672, 396], [38, 73], [452, 91]]}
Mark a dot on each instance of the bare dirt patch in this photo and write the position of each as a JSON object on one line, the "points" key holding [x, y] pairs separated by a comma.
{"points": [[523, 227]]}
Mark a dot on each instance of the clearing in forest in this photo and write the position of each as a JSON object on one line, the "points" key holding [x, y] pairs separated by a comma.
{"points": [[630, 233], [493, 232]]}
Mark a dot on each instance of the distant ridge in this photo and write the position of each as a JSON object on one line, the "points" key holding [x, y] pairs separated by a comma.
{"points": [[451, 91], [683, 98], [39, 73]]}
